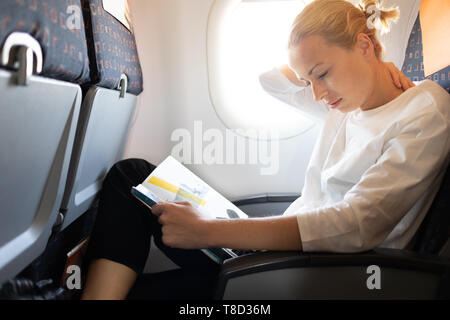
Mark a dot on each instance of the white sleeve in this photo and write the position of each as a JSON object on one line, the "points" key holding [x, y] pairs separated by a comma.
{"points": [[276, 84], [411, 161]]}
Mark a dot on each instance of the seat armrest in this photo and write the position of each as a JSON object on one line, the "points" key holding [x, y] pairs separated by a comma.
{"points": [[266, 204], [261, 262], [266, 197]]}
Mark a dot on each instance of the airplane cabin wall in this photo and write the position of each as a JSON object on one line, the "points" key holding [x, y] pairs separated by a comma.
{"points": [[171, 39]]}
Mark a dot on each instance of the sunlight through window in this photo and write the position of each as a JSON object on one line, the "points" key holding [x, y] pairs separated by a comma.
{"points": [[253, 39]]}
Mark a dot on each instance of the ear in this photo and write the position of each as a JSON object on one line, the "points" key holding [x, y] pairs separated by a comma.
{"points": [[364, 45]]}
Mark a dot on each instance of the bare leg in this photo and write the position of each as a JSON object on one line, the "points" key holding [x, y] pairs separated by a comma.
{"points": [[108, 280]]}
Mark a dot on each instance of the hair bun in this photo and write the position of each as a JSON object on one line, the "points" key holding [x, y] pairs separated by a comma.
{"points": [[368, 7], [377, 15]]}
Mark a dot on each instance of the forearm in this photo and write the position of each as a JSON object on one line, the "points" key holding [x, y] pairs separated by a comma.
{"points": [[274, 233]]}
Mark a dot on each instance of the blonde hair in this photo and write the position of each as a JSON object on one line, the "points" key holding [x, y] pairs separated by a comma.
{"points": [[340, 22]]}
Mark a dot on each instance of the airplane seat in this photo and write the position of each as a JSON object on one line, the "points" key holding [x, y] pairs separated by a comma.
{"points": [[419, 272], [433, 236], [106, 111], [264, 205], [44, 61], [413, 66], [434, 232]]}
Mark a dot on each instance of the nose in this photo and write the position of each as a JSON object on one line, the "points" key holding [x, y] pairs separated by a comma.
{"points": [[319, 91]]}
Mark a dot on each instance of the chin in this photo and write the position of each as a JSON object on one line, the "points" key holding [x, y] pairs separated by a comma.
{"points": [[345, 106], [346, 109]]}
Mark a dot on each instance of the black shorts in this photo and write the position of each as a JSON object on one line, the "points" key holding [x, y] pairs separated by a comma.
{"points": [[122, 233]]}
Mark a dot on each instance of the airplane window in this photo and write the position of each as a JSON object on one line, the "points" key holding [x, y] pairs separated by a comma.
{"points": [[245, 39]]}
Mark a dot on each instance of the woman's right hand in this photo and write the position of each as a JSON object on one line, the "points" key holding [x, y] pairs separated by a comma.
{"points": [[399, 78]]}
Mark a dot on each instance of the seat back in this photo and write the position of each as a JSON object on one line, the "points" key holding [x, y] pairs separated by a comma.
{"points": [[38, 118], [112, 49], [107, 109], [434, 231], [413, 66], [58, 27]]}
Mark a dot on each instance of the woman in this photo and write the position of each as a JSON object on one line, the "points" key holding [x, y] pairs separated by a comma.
{"points": [[282, 82], [373, 173]]}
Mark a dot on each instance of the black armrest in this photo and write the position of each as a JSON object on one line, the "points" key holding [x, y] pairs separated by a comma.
{"points": [[405, 274], [266, 204], [266, 197], [384, 258]]}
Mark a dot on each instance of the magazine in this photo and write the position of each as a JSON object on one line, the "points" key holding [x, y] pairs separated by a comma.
{"points": [[172, 181]]}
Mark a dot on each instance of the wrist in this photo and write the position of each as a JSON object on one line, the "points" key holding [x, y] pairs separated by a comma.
{"points": [[210, 232]]}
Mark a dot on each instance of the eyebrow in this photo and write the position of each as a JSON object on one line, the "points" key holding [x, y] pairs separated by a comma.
{"points": [[310, 71]]}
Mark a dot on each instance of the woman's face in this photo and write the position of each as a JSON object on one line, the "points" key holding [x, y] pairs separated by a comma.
{"points": [[339, 77]]}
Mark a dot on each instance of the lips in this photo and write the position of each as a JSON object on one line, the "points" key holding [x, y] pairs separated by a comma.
{"points": [[335, 103]]}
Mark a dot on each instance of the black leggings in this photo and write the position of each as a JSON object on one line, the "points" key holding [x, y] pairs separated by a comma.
{"points": [[122, 233]]}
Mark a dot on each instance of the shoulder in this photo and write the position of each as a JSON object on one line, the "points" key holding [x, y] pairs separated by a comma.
{"points": [[422, 113], [429, 96], [425, 107]]}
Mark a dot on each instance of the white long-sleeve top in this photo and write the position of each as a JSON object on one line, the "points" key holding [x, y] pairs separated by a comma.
{"points": [[373, 174]]}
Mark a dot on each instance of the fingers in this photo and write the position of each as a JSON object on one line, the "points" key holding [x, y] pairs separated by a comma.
{"points": [[185, 203], [158, 208], [395, 74], [399, 79], [161, 207], [406, 83]]}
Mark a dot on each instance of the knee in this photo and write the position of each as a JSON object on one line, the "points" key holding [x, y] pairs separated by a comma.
{"points": [[123, 167], [126, 165], [130, 171]]}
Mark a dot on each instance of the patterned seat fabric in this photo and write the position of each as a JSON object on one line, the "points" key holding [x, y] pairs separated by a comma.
{"points": [[112, 49], [58, 27], [413, 64]]}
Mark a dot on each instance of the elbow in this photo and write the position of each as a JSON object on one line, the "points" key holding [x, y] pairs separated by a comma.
{"points": [[369, 241]]}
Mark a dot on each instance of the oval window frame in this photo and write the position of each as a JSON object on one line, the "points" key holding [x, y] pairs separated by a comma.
{"points": [[220, 11]]}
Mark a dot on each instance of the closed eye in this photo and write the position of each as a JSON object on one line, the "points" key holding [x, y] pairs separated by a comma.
{"points": [[323, 75]]}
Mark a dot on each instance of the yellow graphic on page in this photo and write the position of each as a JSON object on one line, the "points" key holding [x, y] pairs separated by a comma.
{"points": [[177, 190]]}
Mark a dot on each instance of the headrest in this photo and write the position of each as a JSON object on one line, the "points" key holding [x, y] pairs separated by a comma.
{"points": [[112, 49], [413, 66], [58, 27]]}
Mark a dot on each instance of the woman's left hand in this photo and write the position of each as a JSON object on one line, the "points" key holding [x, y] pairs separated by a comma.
{"points": [[400, 80], [183, 226]]}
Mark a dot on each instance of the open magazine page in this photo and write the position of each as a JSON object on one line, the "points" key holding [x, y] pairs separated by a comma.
{"points": [[171, 181]]}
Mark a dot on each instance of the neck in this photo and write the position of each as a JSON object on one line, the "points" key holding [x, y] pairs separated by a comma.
{"points": [[384, 89]]}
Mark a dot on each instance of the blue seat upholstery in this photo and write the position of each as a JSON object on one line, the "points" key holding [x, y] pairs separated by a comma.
{"points": [[413, 64], [58, 29], [112, 49]]}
